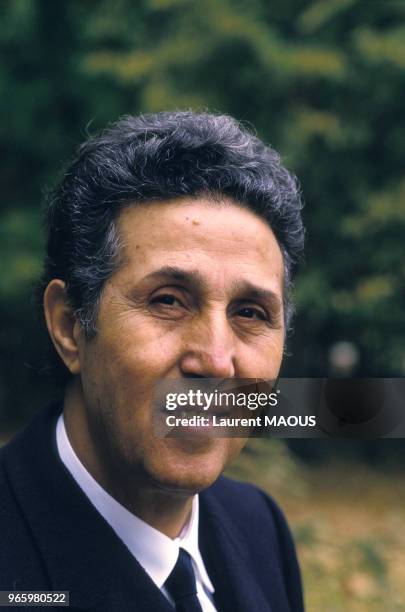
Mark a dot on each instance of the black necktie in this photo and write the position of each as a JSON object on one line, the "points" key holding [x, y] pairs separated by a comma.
{"points": [[181, 585]]}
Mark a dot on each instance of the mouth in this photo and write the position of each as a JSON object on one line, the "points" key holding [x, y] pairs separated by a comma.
{"points": [[191, 411]]}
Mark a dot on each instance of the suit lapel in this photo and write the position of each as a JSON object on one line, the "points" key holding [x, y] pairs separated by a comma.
{"points": [[236, 588], [79, 550]]}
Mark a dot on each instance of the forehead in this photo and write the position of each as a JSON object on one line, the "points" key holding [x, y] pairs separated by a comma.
{"points": [[222, 240]]}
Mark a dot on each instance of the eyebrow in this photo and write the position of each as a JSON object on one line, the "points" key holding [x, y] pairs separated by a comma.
{"points": [[195, 279], [255, 292], [191, 277]]}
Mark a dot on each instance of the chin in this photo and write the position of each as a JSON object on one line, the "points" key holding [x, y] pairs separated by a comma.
{"points": [[186, 483], [189, 475]]}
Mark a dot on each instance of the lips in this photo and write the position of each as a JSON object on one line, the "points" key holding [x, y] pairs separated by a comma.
{"points": [[188, 411]]}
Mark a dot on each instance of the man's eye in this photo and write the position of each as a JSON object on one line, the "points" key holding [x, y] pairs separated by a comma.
{"points": [[166, 300], [252, 313]]}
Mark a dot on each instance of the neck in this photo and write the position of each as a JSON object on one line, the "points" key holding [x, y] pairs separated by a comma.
{"points": [[168, 513], [165, 509]]}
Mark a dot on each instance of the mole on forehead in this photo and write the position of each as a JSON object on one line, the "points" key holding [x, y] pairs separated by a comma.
{"points": [[193, 221]]}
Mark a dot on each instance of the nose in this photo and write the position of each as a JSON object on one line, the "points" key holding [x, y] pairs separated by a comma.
{"points": [[209, 348]]}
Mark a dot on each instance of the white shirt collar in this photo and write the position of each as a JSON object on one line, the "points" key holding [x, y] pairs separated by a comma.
{"points": [[156, 552]]}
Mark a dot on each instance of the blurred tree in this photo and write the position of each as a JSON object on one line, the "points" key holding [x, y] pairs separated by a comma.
{"points": [[321, 80]]}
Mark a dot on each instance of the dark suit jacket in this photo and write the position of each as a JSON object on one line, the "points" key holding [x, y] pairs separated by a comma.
{"points": [[52, 538]]}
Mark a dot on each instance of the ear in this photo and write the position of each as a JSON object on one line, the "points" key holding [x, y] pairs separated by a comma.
{"points": [[62, 325]]}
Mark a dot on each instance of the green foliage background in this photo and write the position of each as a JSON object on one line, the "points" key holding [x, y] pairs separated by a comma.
{"points": [[323, 81]]}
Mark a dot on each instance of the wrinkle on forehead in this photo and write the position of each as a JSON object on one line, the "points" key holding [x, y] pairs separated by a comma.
{"points": [[183, 230]]}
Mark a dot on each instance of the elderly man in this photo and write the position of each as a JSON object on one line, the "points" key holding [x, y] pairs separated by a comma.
{"points": [[171, 243]]}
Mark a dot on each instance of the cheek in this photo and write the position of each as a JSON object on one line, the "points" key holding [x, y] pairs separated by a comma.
{"points": [[265, 357], [136, 357]]}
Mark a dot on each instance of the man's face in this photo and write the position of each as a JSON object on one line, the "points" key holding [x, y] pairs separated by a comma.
{"points": [[198, 293]]}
